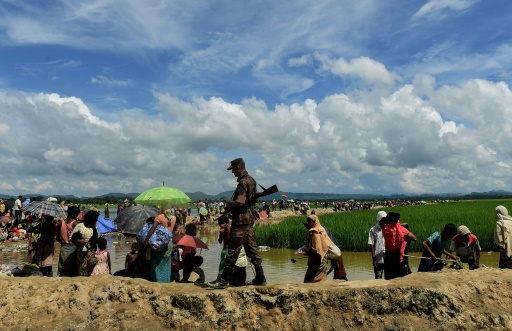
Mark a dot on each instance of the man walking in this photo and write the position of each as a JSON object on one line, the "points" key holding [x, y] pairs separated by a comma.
{"points": [[17, 211], [242, 222], [377, 246]]}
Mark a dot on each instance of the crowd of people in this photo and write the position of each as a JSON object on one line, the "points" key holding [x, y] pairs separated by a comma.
{"points": [[302, 206], [389, 242], [83, 252]]}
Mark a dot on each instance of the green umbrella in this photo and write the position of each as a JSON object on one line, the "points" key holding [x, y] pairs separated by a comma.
{"points": [[162, 196]]}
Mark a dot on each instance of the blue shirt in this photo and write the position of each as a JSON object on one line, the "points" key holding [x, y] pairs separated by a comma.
{"points": [[437, 244]]}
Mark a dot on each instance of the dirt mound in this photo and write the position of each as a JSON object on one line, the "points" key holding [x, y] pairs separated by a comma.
{"points": [[448, 300]]}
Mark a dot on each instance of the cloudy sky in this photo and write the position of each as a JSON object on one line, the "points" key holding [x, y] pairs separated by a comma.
{"points": [[332, 96]]}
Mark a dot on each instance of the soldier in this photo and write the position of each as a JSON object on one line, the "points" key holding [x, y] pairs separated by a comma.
{"points": [[241, 227]]}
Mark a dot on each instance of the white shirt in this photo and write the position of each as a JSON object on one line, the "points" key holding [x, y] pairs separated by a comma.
{"points": [[376, 239], [465, 249], [17, 204]]}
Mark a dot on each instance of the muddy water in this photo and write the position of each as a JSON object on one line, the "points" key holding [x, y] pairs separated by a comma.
{"points": [[277, 263]]}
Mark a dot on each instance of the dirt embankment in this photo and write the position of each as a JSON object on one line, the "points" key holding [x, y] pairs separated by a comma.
{"points": [[280, 215], [449, 300]]}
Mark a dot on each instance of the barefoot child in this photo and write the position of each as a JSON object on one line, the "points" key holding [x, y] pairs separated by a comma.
{"points": [[224, 241], [198, 272], [132, 256], [102, 266]]}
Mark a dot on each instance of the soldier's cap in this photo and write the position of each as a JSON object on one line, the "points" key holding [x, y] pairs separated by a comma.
{"points": [[236, 162]]}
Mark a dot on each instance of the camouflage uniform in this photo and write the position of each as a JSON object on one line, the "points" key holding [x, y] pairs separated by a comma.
{"points": [[241, 225]]}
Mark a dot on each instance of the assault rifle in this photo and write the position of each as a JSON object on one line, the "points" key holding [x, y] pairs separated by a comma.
{"points": [[266, 191]]}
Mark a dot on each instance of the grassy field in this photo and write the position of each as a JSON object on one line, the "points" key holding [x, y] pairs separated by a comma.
{"points": [[351, 228]]}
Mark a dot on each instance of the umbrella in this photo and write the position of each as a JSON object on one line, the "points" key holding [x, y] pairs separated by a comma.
{"points": [[162, 195], [8, 204], [203, 211], [47, 208], [131, 219], [5, 219], [190, 241]]}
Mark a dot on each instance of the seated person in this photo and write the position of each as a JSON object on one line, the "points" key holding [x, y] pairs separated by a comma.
{"points": [[129, 262], [14, 232], [197, 275]]}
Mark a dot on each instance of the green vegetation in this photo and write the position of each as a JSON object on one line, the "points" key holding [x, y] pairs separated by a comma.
{"points": [[351, 228]]}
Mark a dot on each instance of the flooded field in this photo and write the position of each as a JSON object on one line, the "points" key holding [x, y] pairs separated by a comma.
{"points": [[277, 263]]}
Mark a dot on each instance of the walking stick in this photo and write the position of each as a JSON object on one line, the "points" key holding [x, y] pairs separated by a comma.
{"points": [[437, 260]]}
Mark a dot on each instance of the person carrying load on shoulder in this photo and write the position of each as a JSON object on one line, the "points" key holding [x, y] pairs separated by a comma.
{"points": [[317, 247]]}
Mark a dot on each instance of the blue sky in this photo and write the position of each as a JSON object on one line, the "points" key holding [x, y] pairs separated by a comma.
{"points": [[336, 96]]}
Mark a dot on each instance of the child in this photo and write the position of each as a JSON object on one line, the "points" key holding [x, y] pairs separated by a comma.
{"points": [[33, 249], [434, 247], [188, 253], [224, 241], [132, 256], [176, 264], [466, 244], [197, 272], [130, 263], [102, 266]]}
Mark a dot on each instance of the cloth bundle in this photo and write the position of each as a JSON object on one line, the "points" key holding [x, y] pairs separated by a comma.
{"points": [[159, 239], [333, 253]]}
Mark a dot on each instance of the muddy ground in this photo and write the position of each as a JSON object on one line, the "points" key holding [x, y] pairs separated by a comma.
{"points": [[447, 300]]}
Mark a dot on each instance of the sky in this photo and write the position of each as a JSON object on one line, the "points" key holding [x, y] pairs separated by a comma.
{"points": [[330, 96]]}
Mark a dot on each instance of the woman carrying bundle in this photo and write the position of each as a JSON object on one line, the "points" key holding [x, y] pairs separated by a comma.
{"points": [[318, 245]]}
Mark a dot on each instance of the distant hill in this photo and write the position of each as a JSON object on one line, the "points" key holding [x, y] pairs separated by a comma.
{"points": [[196, 196], [499, 194], [119, 195], [7, 197]]}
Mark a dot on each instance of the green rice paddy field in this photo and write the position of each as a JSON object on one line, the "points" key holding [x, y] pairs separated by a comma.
{"points": [[351, 228]]}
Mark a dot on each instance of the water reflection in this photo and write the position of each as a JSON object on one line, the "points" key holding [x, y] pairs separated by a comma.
{"points": [[277, 262]]}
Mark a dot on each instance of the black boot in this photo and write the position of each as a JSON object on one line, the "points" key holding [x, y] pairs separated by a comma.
{"points": [[223, 281], [259, 280]]}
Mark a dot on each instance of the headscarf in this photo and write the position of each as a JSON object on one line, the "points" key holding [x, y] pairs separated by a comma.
{"points": [[503, 230], [317, 237]]}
